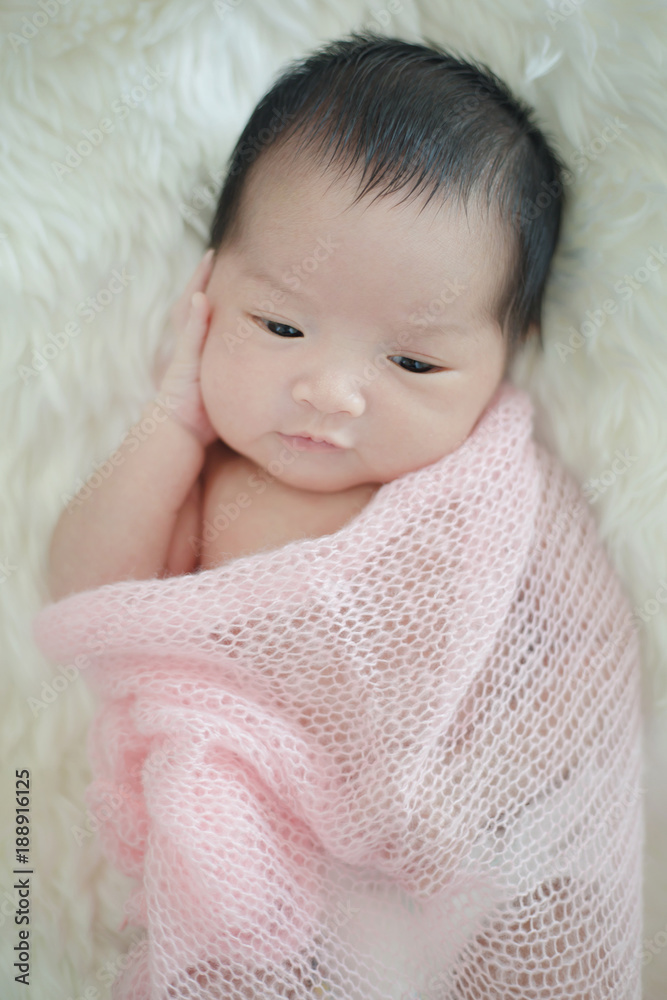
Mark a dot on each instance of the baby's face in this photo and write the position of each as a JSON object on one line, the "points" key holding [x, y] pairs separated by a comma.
{"points": [[370, 327]]}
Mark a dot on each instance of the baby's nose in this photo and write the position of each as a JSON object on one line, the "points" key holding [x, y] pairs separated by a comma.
{"points": [[331, 392]]}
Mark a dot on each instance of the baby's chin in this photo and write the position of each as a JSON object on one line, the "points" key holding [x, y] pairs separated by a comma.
{"points": [[322, 475], [319, 482]]}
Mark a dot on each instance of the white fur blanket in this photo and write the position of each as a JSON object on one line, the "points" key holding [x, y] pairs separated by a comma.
{"points": [[80, 346]]}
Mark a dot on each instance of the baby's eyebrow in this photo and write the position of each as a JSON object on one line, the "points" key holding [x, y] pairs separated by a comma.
{"points": [[273, 282], [424, 329], [432, 329]]}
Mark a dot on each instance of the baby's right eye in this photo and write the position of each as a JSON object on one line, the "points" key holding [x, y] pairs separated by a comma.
{"points": [[280, 327]]}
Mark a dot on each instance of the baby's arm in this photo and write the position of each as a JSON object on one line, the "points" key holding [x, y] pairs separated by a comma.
{"points": [[123, 529]]}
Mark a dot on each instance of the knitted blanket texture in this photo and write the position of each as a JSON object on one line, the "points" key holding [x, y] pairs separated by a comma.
{"points": [[398, 761]]}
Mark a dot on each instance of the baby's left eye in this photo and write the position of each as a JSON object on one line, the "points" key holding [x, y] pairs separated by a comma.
{"points": [[281, 327], [423, 367]]}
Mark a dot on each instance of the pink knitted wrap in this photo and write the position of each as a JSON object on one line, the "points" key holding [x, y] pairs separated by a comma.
{"points": [[399, 761]]}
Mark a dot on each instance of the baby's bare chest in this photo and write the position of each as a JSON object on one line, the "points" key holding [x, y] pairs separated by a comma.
{"points": [[245, 509]]}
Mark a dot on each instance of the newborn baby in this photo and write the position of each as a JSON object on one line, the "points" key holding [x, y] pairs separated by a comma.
{"points": [[402, 761], [332, 339]]}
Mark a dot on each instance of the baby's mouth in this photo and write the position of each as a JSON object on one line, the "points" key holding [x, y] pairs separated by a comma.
{"points": [[305, 443]]}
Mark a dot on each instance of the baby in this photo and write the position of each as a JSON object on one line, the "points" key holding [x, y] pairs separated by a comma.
{"points": [[410, 301], [441, 701]]}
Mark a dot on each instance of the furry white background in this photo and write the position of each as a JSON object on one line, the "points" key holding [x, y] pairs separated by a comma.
{"points": [[139, 203]]}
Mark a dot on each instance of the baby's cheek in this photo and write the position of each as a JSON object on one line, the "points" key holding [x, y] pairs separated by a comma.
{"points": [[212, 392], [205, 375], [210, 369], [224, 394]]}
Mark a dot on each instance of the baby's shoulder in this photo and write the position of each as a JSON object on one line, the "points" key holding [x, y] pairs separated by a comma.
{"points": [[224, 476], [226, 484], [218, 456]]}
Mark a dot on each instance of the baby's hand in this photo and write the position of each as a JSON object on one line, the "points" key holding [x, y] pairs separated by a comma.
{"points": [[180, 387]]}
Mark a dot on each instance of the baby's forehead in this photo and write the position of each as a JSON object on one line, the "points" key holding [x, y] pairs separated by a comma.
{"points": [[290, 204], [281, 180]]}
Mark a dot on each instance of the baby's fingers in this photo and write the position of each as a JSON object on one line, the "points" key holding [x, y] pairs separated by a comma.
{"points": [[191, 340], [198, 321], [200, 278], [197, 283]]}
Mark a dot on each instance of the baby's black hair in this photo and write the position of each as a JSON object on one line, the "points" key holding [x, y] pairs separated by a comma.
{"points": [[409, 112]]}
